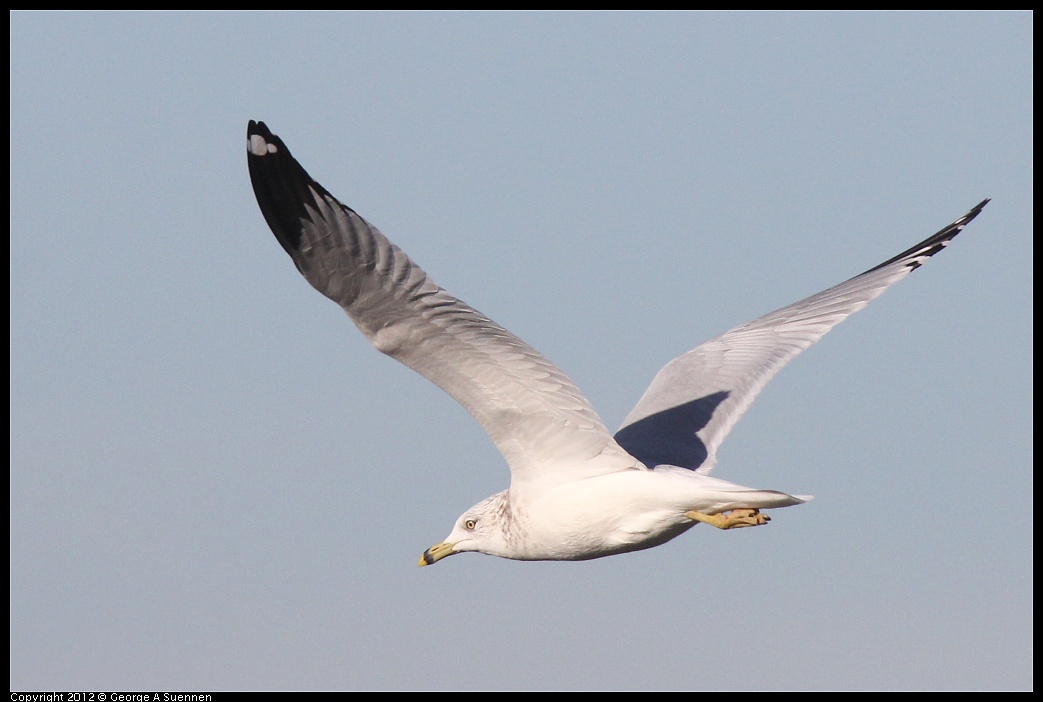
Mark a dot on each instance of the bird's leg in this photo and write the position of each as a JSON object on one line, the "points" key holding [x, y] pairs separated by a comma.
{"points": [[733, 519]]}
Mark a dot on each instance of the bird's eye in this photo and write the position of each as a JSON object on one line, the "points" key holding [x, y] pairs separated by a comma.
{"points": [[470, 524]]}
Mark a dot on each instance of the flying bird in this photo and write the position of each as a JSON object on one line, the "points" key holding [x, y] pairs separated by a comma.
{"points": [[577, 490]]}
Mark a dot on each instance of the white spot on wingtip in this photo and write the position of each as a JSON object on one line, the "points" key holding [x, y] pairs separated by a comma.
{"points": [[259, 147]]}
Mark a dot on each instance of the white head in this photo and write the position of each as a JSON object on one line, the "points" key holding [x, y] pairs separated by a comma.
{"points": [[483, 528]]}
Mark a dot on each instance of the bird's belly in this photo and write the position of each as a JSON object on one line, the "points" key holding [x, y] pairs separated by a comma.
{"points": [[598, 517]]}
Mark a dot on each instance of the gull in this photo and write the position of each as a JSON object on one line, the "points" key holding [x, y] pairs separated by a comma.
{"points": [[577, 491]]}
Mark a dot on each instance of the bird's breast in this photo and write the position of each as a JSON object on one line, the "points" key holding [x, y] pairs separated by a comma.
{"points": [[600, 516]]}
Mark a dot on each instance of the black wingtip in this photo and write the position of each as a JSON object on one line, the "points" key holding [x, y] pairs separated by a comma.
{"points": [[260, 140], [914, 257], [258, 127], [975, 211], [284, 190]]}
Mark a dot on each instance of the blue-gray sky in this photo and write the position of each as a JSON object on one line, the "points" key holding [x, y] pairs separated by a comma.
{"points": [[217, 484]]}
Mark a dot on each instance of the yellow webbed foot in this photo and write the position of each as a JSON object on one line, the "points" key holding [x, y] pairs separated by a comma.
{"points": [[734, 519]]}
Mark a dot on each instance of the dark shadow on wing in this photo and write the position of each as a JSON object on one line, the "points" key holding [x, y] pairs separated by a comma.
{"points": [[669, 437]]}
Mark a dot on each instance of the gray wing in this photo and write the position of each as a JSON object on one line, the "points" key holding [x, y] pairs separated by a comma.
{"points": [[696, 399], [536, 416]]}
